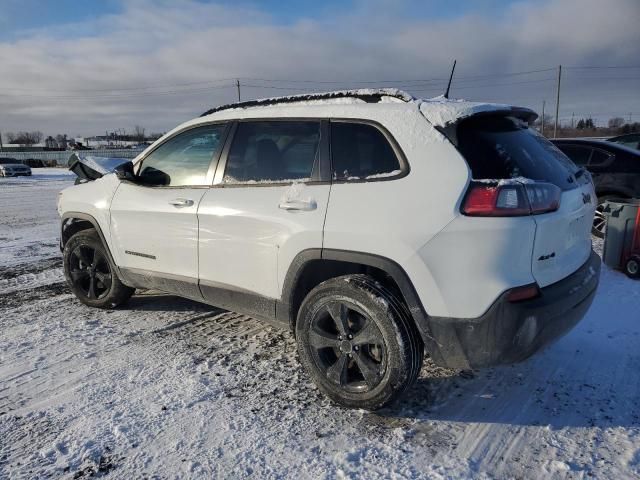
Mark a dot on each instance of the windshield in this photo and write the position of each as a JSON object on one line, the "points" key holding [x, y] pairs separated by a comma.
{"points": [[499, 147]]}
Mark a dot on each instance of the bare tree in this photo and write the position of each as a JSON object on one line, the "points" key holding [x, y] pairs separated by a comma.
{"points": [[616, 122], [26, 139], [138, 133]]}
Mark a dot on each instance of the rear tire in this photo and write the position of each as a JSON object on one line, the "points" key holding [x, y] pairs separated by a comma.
{"points": [[357, 341], [90, 273], [632, 267]]}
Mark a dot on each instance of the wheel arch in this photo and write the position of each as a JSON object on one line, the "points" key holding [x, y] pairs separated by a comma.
{"points": [[74, 222], [311, 267]]}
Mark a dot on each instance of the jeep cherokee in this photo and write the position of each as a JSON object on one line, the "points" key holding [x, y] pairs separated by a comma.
{"points": [[376, 226]]}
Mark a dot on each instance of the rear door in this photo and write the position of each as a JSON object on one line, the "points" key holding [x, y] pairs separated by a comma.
{"points": [[154, 224], [267, 205], [502, 147]]}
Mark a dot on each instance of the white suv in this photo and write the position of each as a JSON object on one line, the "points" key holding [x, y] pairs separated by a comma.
{"points": [[374, 225]]}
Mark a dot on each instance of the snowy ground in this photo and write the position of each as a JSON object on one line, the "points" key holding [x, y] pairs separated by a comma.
{"points": [[168, 388]]}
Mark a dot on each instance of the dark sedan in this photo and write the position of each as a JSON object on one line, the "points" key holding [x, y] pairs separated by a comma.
{"points": [[615, 170]]}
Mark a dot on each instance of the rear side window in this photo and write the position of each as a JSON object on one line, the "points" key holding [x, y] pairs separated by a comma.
{"points": [[273, 152], [360, 151], [504, 147]]}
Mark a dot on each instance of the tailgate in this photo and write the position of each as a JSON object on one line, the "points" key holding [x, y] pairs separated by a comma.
{"points": [[563, 238]]}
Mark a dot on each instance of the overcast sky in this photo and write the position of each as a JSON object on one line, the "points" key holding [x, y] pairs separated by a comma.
{"points": [[81, 67]]}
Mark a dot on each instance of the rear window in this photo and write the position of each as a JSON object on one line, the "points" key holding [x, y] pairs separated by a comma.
{"points": [[504, 147]]}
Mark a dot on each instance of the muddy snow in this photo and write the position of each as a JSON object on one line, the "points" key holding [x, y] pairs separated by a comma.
{"points": [[169, 388]]}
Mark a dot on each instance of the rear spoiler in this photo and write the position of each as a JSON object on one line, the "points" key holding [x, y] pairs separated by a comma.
{"points": [[525, 114]]}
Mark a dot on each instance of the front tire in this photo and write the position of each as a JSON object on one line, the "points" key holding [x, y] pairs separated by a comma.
{"points": [[90, 274], [357, 341]]}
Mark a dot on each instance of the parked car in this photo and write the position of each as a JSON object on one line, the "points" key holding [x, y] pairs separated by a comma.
{"points": [[615, 170], [374, 226], [9, 167], [631, 140]]}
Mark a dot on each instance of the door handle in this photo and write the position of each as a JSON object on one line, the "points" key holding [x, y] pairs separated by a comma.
{"points": [[304, 205], [181, 202]]}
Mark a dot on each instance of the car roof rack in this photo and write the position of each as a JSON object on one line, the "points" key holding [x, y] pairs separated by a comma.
{"points": [[369, 95]]}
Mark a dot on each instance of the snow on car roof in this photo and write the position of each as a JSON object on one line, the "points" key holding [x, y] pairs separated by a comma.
{"points": [[439, 111]]}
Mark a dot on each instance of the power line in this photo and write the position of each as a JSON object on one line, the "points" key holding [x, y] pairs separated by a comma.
{"points": [[124, 95], [603, 67], [121, 89]]}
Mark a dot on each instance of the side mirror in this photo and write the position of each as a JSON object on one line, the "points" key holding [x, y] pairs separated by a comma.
{"points": [[125, 172]]}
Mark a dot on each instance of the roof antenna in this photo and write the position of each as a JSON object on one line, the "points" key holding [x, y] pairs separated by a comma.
{"points": [[446, 94]]}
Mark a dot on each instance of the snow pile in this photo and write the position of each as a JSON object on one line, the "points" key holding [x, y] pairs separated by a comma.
{"points": [[169, 388], [442, 111], [335, 97]]}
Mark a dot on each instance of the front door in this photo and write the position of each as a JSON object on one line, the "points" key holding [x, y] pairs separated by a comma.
{"points": [[154, 223], [264, 209]]}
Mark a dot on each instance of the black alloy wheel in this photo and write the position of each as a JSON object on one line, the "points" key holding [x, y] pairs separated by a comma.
{"points": [[348, 346], [90, 272]]}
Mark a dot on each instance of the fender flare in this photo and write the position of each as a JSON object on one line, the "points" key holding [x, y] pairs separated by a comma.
{"points": [[390, 267], [89, 218]]}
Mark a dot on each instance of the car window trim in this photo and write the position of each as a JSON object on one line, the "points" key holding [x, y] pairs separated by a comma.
{"points": [[610, 158], [319, 167], [213, 163], [405, 168], [578, 145]]}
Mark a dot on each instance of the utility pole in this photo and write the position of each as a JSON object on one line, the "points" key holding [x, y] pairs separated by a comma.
{"points": [[573, 114], [629, 124], [238, 85], [446, 94], [0, 141], [542, 119], [555, 127]]}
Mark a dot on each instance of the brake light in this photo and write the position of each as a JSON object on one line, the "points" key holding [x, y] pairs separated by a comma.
{"points": [[511, 199]]}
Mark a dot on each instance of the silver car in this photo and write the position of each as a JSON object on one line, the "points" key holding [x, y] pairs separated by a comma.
{"points": [[14, 170]]}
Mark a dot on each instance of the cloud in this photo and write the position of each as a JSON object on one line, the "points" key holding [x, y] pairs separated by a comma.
{"points": [[124, 69]]}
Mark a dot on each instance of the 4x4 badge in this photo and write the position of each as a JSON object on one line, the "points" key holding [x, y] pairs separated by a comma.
{"points": [[586, 198]]}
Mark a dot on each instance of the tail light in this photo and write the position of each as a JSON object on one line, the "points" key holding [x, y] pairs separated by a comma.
{"points": [[523, 293], [512, 199]]}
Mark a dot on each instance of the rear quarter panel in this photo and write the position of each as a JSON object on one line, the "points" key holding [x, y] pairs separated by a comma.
{"points": [[396, 218]]}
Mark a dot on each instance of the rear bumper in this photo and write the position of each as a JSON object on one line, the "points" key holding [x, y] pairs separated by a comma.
{"points": [[511, 332]]}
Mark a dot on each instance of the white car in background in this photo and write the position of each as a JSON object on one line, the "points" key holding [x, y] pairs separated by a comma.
{"points": [[375, 226]]}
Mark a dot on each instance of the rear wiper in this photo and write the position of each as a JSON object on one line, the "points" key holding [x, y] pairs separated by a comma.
{"points": [[577, 174], [581, 171]]}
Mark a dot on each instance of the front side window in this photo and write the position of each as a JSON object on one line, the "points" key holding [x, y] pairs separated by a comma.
{"points": [[183, 160], [273, 152], [360, 151]]}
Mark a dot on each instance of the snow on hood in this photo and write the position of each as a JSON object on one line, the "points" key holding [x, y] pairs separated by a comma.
{"points": [[89, 167]]}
